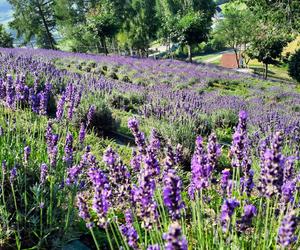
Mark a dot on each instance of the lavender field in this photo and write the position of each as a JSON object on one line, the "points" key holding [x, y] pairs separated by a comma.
{"points": [[128, 153]]}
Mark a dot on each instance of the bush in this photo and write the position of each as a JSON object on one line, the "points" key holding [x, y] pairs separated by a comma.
{"points": [[102, 121], [294, 66]]}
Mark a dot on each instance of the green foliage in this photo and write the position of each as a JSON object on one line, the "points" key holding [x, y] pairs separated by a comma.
{"points": [[34, 20], [6, 41], [294, 66]]}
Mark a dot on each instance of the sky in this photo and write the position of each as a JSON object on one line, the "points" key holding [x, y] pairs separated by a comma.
{"points": [[5, 12]]}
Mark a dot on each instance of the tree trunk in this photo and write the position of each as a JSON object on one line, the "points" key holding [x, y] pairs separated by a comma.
{"points": [[237, 57], [104, 45], [45, 25], [189, 53], [266, 71]]}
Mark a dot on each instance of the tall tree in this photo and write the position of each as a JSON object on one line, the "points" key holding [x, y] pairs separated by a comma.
{"points": [[141, 25], [103, 21], [285, 13], [6, 41], [235, 29], [267, 43], [34, 19]]}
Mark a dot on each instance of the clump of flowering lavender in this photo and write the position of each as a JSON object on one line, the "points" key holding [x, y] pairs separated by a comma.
{"points": [[227, 211], [250, 212], [201, 171], [139, 137], [271, 178], [84, 211], [129, 232], [286, 232], [172, 194], [68, 156], [82, 133], [44, 173], [224, 182], [110, 157], [60, 107], [90, 115], [174, 238], [27, 152]]}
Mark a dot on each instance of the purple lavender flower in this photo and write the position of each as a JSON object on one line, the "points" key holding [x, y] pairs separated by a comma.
{"points": [[153, 247], [44, 173], [71, 108], [213, 151], [90, 115], [139, 137], [43, 98], [225, 180], [155, 138], [27, 152], [201, 171], [101, 203], [4, 168], [247, 183], [271, 178], [60, 107], [82, 133], [13, 174], [68, 156], [73, 174], [238, 149], [129, 232], [287, 230], [249, 212], [227, 211], [179, 154], [287, 191], [174, 238], [172, 194], [110, 157], [289, 169], [34, 101], [84, 211], [136, 161], [170, 159], [10, 92]]}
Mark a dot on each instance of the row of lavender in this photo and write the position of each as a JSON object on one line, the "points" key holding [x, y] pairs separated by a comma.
{"points": [[270, 108]]}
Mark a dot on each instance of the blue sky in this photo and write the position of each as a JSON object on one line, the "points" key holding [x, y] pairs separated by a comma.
{"points": [[5, 12]]}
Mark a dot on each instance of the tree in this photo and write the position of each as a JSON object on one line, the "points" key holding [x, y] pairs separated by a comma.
{"points": [[34, 19], [235, 30], [103, 21], [192, 29], [267, 44], [294, 66], [6, 41], [141, 25], [285, 13]]}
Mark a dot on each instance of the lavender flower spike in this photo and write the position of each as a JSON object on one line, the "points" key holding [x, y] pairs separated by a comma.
{"points": [[287, 230], [44, 173], [174, 238], [227, 211], [84, 211]]}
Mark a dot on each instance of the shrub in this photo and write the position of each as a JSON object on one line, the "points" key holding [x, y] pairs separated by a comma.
{"points": [[224, 118], [294, 66], [102, 121]]}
